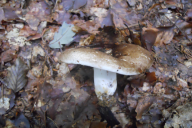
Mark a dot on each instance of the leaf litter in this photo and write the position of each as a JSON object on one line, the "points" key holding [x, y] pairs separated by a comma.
{"points": [[40, 91]]}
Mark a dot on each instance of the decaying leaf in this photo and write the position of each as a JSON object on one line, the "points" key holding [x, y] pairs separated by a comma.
{"points": [[4, 105], [15, 39], [157, 36], [180, 117], [7, 100], [26, 31], [7, 56], [16, 78], [143, 105], [64, 36], [39, 11], [7, 14]]}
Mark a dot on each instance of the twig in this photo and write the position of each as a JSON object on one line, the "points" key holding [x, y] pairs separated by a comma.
{"points": [[50, 67], [143, 44], [3, 83], [178, 28], [185, 51], [53, 122], [44, 116], [148, 11], [181, 4], [48, 54], [60, 47], [55, 5], [3, 93], [180, 62]]}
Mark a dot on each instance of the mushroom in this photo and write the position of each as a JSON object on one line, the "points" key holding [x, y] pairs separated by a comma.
{"points": [[132, 60]]}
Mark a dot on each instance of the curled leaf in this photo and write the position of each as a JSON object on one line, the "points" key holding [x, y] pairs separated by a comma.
{"points": [[16, 78]]}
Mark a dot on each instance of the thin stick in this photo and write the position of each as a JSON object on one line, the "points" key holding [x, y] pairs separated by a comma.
{"points": [[3, 83], [3, 93], [48, 54], [50, 67], [60, 47], [53, 122], [178, 28]]}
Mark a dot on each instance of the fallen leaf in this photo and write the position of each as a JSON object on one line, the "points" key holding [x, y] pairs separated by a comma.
{"points": [[150, 77], [157, 36], [16, 78], [89, 26], [39, 11], [121, 15], [61, 16], [189, 13], [79, 3], [10, 14], [7, 14], [143, 105], [26, 31], [7, 56], [63, 36]]}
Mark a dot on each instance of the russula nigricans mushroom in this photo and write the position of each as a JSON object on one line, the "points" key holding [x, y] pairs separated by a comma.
{"points": [[131, 60]]}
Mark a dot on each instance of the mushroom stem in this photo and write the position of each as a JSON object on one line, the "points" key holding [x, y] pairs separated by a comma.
{"points": [[105, 82]]}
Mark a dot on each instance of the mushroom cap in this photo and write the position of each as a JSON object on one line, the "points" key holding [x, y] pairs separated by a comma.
{"points": [[135, 54], [100, 60]]}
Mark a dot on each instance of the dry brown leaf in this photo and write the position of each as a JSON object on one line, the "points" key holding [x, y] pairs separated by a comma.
{"points": [[7, 14], [143, 105], [189, 13], [150, 77], [61, 16], [26, 31], [157, 36], [7, 56], [89, 26], [79, 3], [39, 11], [172, 2], [121, 15]]}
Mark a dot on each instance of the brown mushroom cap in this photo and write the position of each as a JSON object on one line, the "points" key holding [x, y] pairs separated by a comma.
{"points": [[135, 54], [100, 60]]}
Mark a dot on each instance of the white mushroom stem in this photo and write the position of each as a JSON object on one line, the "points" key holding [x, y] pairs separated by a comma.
{"points": [[105, 82]]}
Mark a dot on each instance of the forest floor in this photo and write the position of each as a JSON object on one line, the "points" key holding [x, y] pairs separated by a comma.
{"points": [[38, 91]]}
